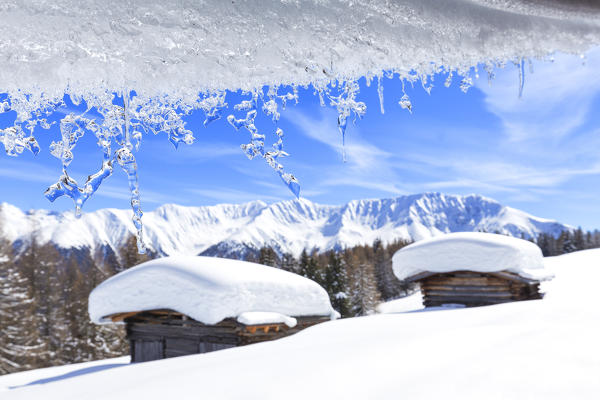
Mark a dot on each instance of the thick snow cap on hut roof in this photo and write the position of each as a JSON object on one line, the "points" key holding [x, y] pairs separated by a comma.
{"points": [[208, 290], [471, 251]]}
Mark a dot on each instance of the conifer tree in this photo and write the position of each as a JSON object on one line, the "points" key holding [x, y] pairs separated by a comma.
{"points": [[267, 256], [21, 347], [309, 267], [129, 255], [336, 284], [364, 296], [289, 263]]}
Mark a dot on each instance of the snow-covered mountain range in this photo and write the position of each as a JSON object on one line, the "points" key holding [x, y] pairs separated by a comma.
{"points": [[289, 226]]}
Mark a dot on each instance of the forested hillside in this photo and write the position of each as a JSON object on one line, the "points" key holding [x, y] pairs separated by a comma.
{"points": [[44, 292]]}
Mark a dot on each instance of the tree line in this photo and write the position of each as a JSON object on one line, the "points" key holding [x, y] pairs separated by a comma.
{"points": [[44, 317], [568, 242], [356, 279]]}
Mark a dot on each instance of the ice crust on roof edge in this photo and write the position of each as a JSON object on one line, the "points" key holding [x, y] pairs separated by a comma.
{"points": [[145, 65], [181, 48], [472, 251], [209, 290]]}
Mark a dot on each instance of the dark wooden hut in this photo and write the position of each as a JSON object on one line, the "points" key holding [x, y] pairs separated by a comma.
{"points": [[472, 288], [175, 306], [472, 269], [159, 334]]}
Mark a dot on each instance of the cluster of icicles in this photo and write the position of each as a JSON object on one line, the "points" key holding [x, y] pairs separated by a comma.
{"points": [[119, 120]]}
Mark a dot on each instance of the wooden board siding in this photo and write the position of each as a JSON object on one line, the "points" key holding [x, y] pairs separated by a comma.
{"points": [[476, 288], [162, 334], [147, 350]]}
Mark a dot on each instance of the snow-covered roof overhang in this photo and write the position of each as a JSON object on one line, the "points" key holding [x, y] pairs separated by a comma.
{"points": [[471, 251], [208, 290], [180, 48]]}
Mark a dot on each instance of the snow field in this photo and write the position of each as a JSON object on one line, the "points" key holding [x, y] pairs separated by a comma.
{"points": [[541, 349]]}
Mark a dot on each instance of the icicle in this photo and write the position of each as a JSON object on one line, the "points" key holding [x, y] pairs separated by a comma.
{"points": [[424, 80], [346, 104], [272, 159], [405, 103], [530, 66], [256, 147], [405, 100], [380, 93], [448, 81], [72, 128], [489, 68], [521, 66], [126, 160], [466, 83], [342, 121]]}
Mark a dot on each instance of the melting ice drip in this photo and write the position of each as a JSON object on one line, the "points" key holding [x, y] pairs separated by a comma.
{"points": [[118, 121]]}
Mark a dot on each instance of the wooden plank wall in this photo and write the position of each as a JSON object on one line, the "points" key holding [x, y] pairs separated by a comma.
{"points": [[163, 334], [475, 289]]}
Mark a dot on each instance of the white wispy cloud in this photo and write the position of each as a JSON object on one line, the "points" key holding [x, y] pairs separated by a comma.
{"points": [[556, 100], [366, 166], [188, 154], [233, 195], [28, 171]]}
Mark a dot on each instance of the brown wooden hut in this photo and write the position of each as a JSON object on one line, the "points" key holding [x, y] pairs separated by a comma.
{"points": [[472, 288], [176, 306], [472, 269], [159, 334]]}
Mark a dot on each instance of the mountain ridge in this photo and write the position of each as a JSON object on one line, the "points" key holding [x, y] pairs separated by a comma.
{"points": [[288, 226]]}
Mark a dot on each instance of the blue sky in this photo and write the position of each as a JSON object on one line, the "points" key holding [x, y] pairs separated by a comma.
{"points": [[539, 153]]}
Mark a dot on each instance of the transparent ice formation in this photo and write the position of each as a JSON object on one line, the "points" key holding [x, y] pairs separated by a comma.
{"points": [[141, 66]]}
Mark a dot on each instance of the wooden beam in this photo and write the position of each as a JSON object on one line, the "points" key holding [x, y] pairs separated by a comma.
{"points": [[419, 276], [513, 277], [121, 316]]}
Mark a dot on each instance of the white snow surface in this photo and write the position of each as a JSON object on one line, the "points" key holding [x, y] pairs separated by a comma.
{"points": [[45, 375], [287, 226], [177, 49], [413, 302], [538, 349], [262, 317], [473, 251], [208, 289]]}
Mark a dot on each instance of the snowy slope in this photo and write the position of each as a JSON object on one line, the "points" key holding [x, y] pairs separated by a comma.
{"points": [[540, 349], [289, 226]]}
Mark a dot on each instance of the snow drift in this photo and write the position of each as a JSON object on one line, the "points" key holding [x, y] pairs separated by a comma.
{"points": [[209, 290], [472, 251]]}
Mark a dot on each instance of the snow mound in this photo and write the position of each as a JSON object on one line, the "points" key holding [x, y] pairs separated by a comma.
{"points": [[261, 317], [413, 302], [208, 290], [474, 251]]}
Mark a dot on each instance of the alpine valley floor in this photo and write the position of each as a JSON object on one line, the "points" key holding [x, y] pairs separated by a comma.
{"points": [[546, 349]]}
